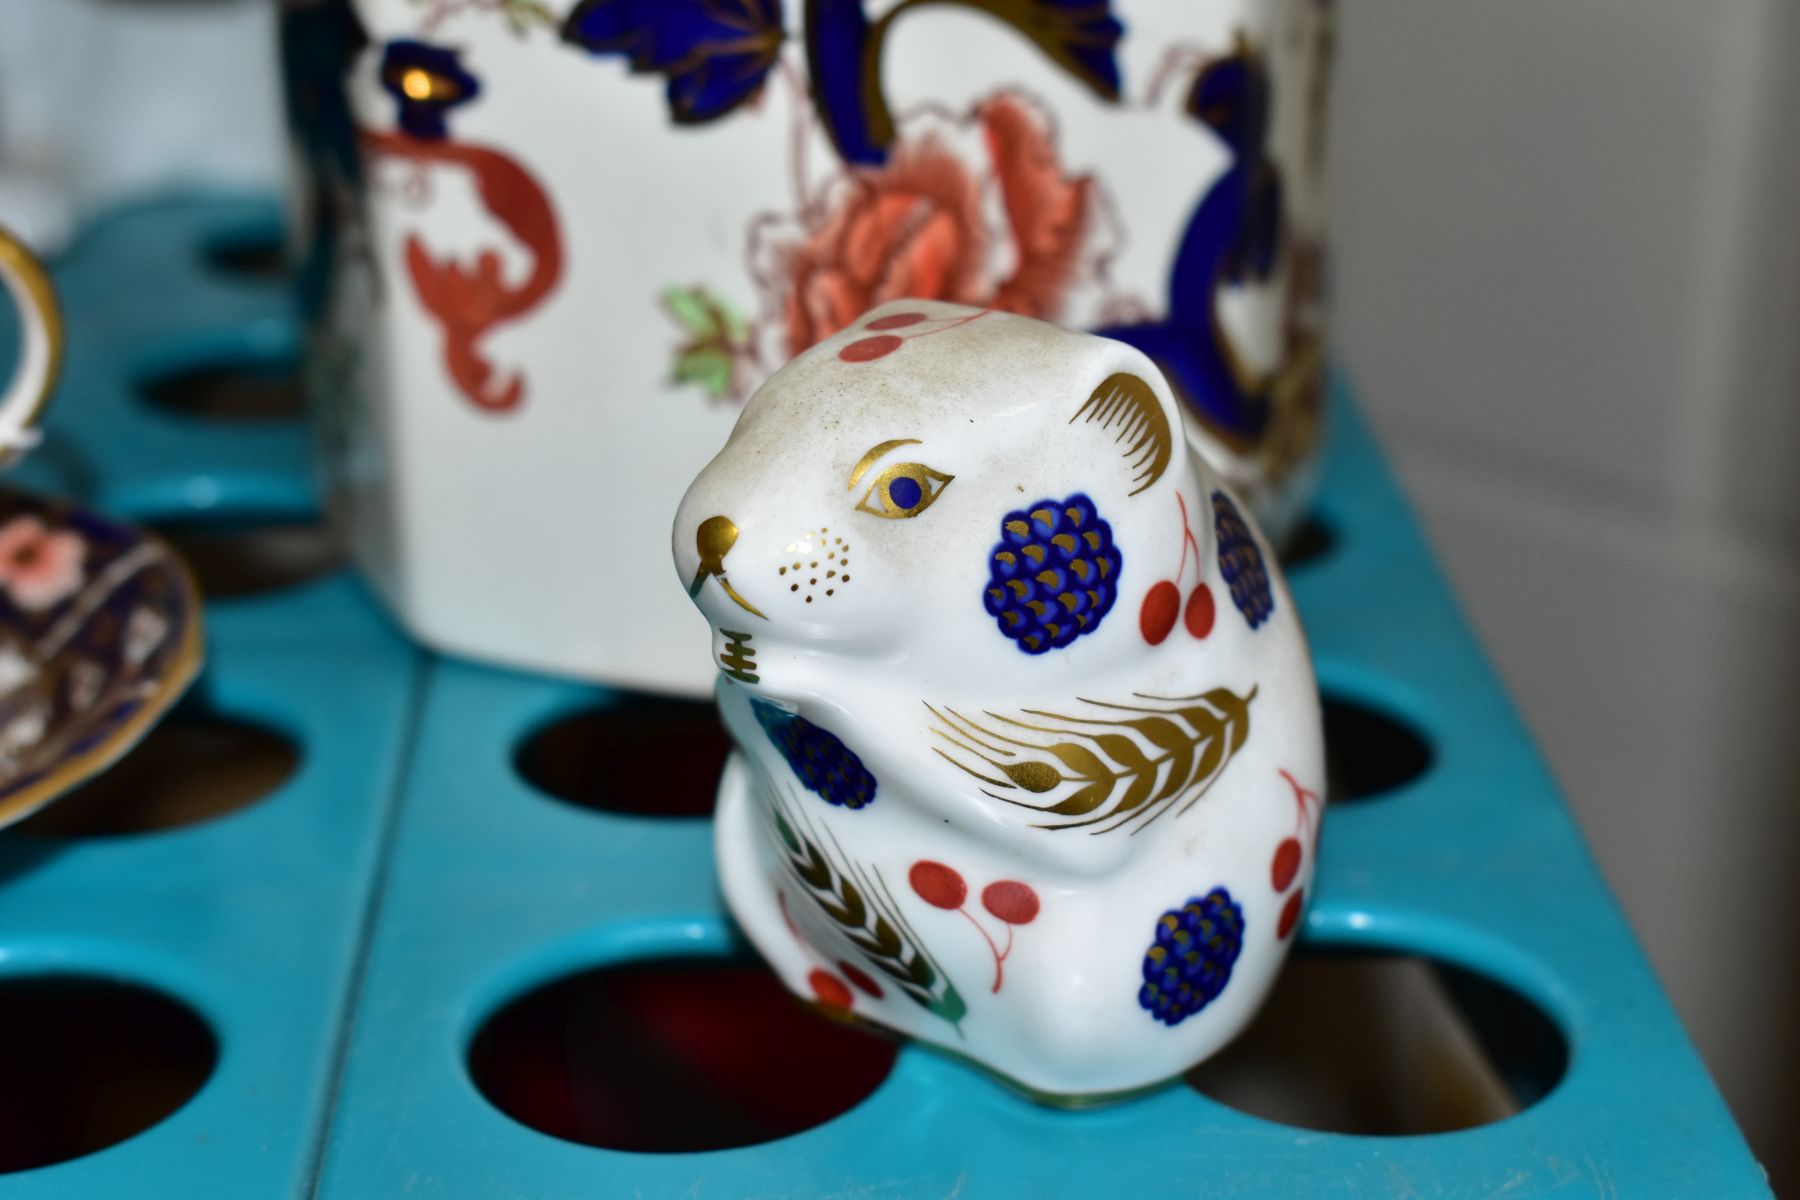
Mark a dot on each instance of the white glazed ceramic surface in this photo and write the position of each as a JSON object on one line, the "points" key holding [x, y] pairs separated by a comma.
{"points": [[593, 230], [1029, 746]]}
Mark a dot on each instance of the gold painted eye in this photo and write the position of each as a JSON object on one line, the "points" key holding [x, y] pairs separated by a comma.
{"points": [[904, 490]]}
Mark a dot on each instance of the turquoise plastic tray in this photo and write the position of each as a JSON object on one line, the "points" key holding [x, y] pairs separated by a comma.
{"points": [[408, 844]]}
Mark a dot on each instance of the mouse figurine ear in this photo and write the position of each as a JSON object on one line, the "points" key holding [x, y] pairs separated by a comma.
{"points": [[1128, 402]]}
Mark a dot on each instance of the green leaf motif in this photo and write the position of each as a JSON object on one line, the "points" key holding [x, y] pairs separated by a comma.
{"points": [[1107, 778], [787, 833], [717, 341], [522, 16], [708, 366], [950, 1006]]}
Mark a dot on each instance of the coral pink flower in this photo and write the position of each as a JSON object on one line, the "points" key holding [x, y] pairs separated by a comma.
{"points": [[39, 568], [910, 229], [1050, 215], [919, 227]]}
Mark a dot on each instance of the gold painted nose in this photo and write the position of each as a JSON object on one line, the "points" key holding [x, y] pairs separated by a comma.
{"points": [[714, 540]]}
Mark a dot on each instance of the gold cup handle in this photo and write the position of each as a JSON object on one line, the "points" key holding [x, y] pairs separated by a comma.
{"points": [[40, 359]]}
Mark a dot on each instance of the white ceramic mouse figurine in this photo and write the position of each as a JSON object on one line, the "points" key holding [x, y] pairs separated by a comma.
{"points": [[1029, 745]]}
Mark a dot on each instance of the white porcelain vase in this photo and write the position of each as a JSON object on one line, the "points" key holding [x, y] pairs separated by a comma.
{"points": [[579, 235]]}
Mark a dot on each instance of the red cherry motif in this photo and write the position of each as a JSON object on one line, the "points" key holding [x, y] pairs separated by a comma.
{"points": [[1157, 617], [1162, 604], [1200, 611], [896, 321], [870, 348], [937, 884], [1286, 864], [1011, 901], [860, 978], [1290, 915], [1284, 868], [1303, 796], [883, 343], [830, 990]]}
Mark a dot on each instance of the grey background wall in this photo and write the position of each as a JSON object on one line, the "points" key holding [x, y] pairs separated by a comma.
{"points": [[101, 98], [1568, 287]]}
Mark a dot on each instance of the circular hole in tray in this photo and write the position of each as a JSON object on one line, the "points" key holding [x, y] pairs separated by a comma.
{"points": [[670, 1057], [251, 555], [1368, 752], [259, 254], [1310, 542], [658, 758], [194, 766], [250, 390], [89, 1062], [1387, 1045]]}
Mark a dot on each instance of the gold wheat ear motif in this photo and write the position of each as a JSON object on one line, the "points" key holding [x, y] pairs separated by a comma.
{"points": [[1113, 767], [857, 901], [1128, 402]]}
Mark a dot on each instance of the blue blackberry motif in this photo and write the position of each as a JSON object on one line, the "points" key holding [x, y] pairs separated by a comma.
{"points": [[1190, 961], [821, 762], [1241, 562], [1054, 574]]}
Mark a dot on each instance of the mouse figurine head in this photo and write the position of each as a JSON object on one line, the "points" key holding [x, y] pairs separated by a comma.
{"points": [[1029, 748]]}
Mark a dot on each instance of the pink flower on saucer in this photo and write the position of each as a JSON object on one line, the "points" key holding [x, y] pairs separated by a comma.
{"points": [[39, 568]]}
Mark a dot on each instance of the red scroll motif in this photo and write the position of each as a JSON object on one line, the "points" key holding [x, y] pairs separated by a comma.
{"points": [[467, 302]]}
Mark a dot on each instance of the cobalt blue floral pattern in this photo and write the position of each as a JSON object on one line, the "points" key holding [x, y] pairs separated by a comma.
{"points": [[427, 82], [819, 759], [1081, 35], [1233, 238], [1241, 562], [844, 57], [1190, 961], [715, 54], [1231, 97], [1054, 575]]}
